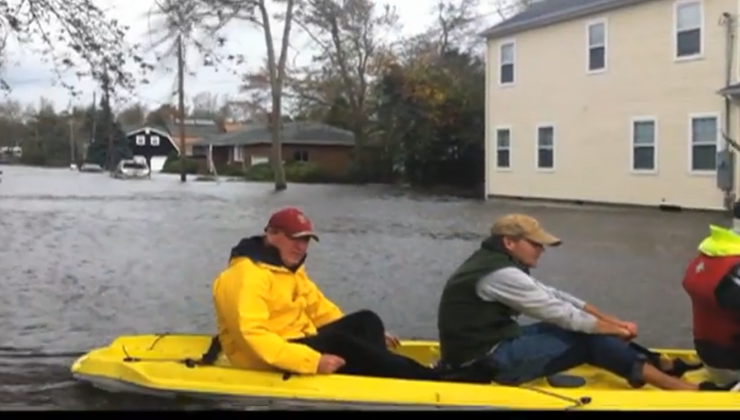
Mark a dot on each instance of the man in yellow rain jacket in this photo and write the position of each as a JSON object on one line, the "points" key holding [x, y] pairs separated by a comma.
{"points": [[271, 316]]}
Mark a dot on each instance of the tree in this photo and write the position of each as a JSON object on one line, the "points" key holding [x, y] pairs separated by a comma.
{"points": [[11, 123], [132, 115], [205, 106], [276, 71], [431, 100], [349, 36], [108, 144], [432, 115], [508, 8], [162, 115], [457, 26], [211, 16], [81, 25]]}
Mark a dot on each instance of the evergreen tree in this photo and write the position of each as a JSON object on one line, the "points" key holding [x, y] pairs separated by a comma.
{"points": [[102, 126]]}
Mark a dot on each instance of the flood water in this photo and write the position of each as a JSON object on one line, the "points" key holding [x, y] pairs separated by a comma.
{"points": [[85, 258]]}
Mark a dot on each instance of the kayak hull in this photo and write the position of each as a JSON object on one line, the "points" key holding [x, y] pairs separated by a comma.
{"points": [[154, 365]]}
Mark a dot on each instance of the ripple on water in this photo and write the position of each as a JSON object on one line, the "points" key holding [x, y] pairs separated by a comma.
{"points": [[86, 258]]}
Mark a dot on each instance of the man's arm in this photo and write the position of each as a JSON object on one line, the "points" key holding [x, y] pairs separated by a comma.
{"points": [[320, 309], [253, 313], [602, 316], [522, 293], [580, 304], [727, 292]]}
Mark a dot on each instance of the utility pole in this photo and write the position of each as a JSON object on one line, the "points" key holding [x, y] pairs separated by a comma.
{"points": [[94, 117], [181, 105], [70, 120], [108, 116], [725, 162], [72, 151]]}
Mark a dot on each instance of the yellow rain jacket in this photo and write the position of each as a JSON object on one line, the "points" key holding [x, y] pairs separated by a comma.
{"points": [[261, 304]]}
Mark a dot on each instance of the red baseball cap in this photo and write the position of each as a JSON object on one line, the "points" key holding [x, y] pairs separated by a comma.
{"points": [[293, 222]]}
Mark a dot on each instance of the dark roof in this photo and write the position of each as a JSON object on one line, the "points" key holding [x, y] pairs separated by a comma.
{"points": [[193, 128], [549, 12], [308, 133], [199, 128]]}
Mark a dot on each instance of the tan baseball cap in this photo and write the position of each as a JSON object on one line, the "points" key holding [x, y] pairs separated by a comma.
{"points": [[521, 225]]}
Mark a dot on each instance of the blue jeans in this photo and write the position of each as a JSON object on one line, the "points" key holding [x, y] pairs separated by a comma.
{"points": [[545, 349]]}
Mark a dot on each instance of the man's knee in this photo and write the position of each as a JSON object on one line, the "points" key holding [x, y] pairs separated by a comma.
{"points": [[365, 317], [607, 350]]}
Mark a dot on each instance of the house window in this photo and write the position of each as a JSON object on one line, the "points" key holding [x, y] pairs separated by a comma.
{"points": [[596, 46], [643, 145], [300, 156], [688, 30], [546, 147], [154, 140], [256, 160], [506, 63], [140, 140], [704, 143], [503, 148], [237, 154]]}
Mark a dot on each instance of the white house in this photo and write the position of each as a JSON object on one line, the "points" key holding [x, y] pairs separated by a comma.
{"points": [[615, 101]]}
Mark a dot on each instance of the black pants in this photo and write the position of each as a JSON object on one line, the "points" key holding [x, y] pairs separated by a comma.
{"points": [[359, 338]]}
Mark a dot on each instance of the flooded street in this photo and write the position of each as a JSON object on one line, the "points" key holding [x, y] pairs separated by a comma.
{"points": [[86, 258]]}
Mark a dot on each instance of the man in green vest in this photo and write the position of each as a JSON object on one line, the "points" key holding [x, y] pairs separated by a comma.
{"points": [[484, 296]]}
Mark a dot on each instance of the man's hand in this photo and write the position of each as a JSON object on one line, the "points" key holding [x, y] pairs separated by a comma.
{"points": [[629, 326], [609, 328], [330, 363], [392, 341]]}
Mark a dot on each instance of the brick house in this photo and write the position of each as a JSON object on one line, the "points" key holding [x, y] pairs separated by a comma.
{"points": [[328, 147], [195, 130]]}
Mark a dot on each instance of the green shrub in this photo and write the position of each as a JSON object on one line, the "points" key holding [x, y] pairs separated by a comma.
{"points": [[304, 172], [259, 172], [236, 170], [33, 159], [172, 166], [294, 172]]}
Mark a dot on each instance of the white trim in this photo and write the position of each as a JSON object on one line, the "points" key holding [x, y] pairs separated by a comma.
{"points": [[161, 133], [487, 127], [537, 147], [633, 146], [237, 153], [153, 138], [690, 143], [496, 148], [501, 45], [702, 29], [140, 139], [589, 24], [737, 45]]}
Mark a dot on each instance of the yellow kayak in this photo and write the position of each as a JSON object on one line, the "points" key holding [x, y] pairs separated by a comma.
{"points": [[155, 365]]}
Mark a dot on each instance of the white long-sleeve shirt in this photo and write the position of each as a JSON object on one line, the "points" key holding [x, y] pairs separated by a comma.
{"points": [[524, 294]]}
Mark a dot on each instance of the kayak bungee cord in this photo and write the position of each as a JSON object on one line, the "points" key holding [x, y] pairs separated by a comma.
{"points": [[577, 402], [192, 363]]}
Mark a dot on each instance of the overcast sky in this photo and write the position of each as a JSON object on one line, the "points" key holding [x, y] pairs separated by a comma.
{"points": [[30, 78]]}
